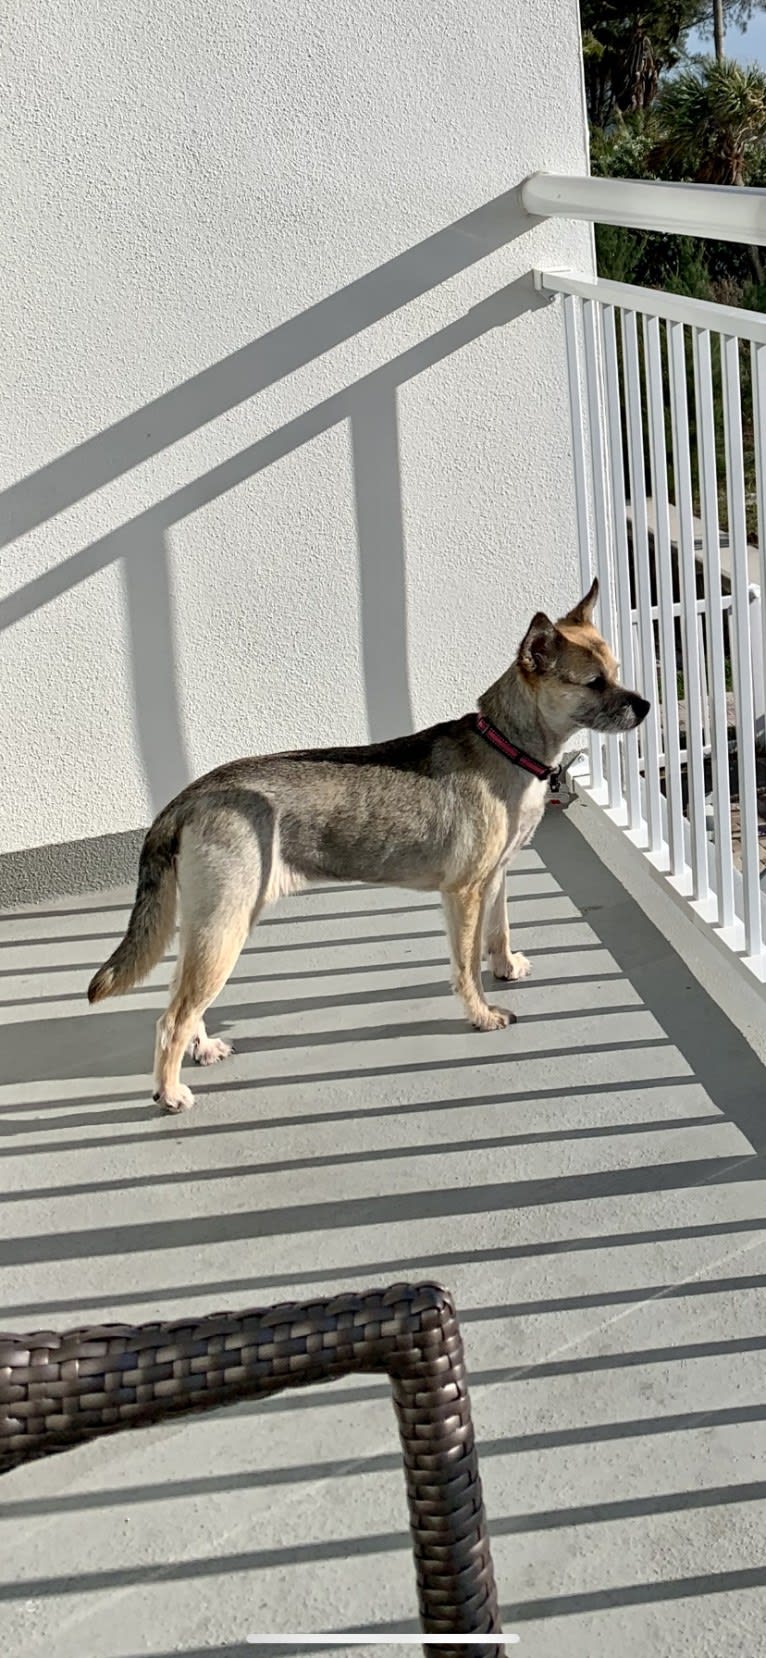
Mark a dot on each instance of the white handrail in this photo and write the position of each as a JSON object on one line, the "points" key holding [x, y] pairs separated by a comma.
{"points": [[718, 211], [656, 302]]}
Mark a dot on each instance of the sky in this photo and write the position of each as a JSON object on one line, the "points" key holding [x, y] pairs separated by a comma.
{"points": [[747, 47]]}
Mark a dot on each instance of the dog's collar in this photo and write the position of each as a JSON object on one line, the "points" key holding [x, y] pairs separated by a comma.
{"points": [[516, 755]]}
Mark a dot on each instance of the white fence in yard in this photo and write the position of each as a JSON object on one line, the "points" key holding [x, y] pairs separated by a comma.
{"points": [[668, 403]]}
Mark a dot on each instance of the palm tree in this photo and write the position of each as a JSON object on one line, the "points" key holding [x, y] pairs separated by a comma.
{"points": [[712, 121], [626, 45]]}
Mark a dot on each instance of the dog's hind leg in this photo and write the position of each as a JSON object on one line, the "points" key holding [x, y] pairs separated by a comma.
{"points": [[227, 870], [207, 1050], [203, 1049], [505, 962], [464, 910], [209, 952], [220, 888]]}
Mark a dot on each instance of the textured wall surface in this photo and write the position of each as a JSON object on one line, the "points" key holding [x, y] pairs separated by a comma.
{"points": [[278, 468]]}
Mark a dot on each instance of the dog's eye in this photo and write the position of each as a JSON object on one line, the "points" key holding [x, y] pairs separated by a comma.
{"points": [[598, 683]]}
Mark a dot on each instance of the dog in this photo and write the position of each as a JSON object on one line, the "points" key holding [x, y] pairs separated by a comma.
{"points": [[442, 811]]}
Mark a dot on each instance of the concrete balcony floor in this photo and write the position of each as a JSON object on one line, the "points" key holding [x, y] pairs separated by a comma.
{"points": [[588, 1183]]}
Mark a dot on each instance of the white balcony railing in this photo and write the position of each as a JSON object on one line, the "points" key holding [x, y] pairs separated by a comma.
{"points": [[714, 211], [668, 401]]}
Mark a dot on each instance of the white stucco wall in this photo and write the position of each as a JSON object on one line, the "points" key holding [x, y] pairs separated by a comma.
{"points": [[230, 569]]}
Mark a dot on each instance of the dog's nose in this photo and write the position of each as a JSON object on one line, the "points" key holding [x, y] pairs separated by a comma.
{"points": [[640, 706]]}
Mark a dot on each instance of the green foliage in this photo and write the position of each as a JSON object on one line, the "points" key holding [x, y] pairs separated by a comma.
{"points": [[705, 122], [676, 263], [628, 45], [623, 151], [711, 122], [754, 296]]}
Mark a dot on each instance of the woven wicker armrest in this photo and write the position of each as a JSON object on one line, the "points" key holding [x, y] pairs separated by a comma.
{"points": [[59, 1389]]}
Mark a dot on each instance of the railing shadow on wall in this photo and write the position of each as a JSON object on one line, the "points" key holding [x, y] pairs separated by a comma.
{"points": [[370, 406]]}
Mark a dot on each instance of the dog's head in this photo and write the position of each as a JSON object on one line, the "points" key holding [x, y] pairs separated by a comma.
{"points": [[573, 675]]}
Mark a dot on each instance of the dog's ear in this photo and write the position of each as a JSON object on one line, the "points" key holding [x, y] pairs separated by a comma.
{"points": [[539, 647], [583, 612]]}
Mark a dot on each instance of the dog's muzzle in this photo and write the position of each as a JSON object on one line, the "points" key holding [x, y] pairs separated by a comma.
{"points": [[623, 712]]}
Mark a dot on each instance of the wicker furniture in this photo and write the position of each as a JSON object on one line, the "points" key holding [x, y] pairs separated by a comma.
{"points": [[59, 1389]]}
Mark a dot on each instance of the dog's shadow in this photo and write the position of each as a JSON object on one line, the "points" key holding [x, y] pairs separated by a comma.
{"points": [[120, 1043], [442, 1028]]}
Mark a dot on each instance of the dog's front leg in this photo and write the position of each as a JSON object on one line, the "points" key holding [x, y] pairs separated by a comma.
{"points": [[464, 910], [505, 962]]}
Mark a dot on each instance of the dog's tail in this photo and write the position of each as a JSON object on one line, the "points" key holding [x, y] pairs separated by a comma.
{"points": [[152, 919]]}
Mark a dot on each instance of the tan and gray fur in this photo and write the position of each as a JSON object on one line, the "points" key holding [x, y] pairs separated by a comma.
{"points": [[440, 811]]}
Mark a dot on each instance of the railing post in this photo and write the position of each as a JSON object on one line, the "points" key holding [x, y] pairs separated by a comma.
{"points": [[716, 635], [743, 693], [756, 662], [572, 311], [603, 511]]}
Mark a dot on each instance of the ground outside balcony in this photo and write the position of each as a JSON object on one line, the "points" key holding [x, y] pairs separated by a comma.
{"points": [[588, 1183]]}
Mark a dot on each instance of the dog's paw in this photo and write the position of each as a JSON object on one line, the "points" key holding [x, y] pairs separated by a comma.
{"points": [[210, 1051], [510, 964], [176, 1099], [493, 1018]]}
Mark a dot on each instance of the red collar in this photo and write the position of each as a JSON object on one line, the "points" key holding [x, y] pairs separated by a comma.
{"points": [[516, 755]]}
